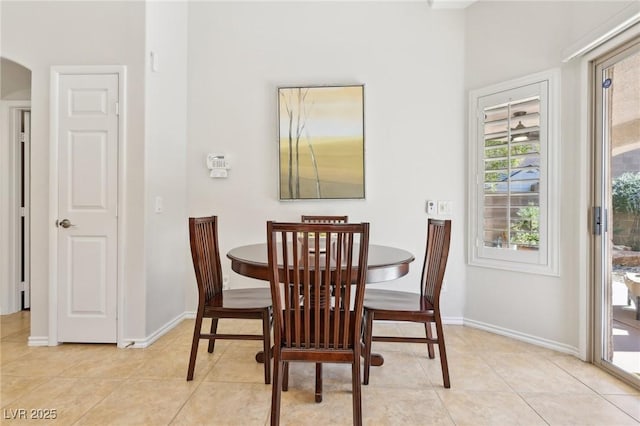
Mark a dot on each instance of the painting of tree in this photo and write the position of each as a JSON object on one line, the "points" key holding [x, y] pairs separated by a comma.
{"points": [[321, 142]]}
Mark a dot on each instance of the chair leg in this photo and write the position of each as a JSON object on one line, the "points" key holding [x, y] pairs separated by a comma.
{"points": [[318, 382], [214, 330], [266, 341], [443, 352], [356, 390], [276, 390], [285, 380], [194, 347], [430, 351], [368, 337]]}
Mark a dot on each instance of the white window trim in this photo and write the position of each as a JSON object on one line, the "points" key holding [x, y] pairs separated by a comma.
{"points": [[544, 261]]}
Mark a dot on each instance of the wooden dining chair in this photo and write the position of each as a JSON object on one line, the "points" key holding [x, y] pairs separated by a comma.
{"points": [[305, 328], [216, 303], [317, 219], [389, 305]]}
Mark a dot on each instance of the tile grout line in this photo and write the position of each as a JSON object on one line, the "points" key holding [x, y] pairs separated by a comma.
{"points": [[186, 400], [600, 395], [173, 419], [514, 391], [123, 383]]}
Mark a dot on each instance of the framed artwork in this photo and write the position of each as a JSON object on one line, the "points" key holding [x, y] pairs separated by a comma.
{"points": [[321, 142]]}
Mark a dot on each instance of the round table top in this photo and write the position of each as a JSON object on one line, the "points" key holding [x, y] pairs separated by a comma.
{"points": [[384, 263]]}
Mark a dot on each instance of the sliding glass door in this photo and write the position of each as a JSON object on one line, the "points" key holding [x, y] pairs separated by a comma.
{"points": [[616, 212]]}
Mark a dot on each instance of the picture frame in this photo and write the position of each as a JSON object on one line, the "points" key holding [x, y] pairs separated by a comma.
{"points": [[321, 142]]}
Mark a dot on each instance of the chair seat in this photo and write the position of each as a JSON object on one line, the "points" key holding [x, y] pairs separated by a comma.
{"points": [[254, 299], [389, 300]]}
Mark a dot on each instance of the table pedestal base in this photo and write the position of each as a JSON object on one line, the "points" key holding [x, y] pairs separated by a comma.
{"points": [[376, 360]]}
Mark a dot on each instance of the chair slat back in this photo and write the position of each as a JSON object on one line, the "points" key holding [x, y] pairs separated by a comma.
{"points": [[303, 269], [324, 219], [435, 259], [203, 234]]}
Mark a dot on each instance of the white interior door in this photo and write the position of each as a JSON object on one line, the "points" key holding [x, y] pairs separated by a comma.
{"points": [[87, 207]]}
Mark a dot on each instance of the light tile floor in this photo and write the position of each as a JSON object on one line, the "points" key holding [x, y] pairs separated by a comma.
{"points": [[494, 381]]}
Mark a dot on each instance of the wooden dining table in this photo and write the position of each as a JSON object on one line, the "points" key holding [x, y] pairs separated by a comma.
{"points": [[385, 263]]}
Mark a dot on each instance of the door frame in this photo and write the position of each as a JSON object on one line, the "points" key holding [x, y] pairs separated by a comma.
{"points": [[56, 72], [10, 110], [589, 318], [601, 249], [23, 241]]}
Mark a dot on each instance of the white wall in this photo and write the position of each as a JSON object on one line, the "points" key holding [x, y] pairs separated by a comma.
{"points": [[505, 40], [410, 59], [7, 291], [166, 233], [15, 81], [38, 35]]}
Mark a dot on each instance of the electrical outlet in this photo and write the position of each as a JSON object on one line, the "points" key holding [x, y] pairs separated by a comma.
{"points": [[159, 207], [225, 282]]}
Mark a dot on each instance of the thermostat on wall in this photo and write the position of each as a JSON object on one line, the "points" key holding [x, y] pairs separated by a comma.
{"points": [[218, 166]]}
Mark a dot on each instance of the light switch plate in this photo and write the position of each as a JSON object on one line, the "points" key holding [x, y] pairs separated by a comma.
{"points": [[444, 208]]}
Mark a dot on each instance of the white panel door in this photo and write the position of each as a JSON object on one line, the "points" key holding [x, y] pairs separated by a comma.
{"points": [[87, 207]]}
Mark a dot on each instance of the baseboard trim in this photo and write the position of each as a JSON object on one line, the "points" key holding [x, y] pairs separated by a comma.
{"points": [[38, 341], [143, 343], [527, 338], [148, 341], [453, 320], [129, 343]]}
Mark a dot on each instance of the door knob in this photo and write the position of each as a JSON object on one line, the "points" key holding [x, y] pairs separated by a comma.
{"points": [[65, 223]]}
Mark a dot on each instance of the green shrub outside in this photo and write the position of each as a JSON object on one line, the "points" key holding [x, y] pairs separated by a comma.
{"points": [[625, 199]]}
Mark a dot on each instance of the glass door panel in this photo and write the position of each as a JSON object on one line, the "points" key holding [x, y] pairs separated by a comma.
{"points": [[618, 194]]}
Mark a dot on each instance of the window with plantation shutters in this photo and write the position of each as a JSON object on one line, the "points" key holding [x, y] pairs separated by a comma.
{"points": [[512, 180], [511, 175]]}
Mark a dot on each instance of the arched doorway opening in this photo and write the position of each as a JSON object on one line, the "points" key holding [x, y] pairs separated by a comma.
{"points": [[15, 113]]}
